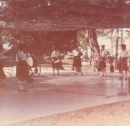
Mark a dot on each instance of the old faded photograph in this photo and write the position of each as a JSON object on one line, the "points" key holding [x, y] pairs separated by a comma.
{"points": [[64, 62]]}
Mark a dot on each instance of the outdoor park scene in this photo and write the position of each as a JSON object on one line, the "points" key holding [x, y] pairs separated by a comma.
{"points": [[64, 62]]}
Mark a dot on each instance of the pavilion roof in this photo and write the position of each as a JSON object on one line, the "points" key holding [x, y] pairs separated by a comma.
{"points": [[61, 15]]}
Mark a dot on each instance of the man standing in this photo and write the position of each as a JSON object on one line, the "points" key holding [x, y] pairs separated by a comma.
{"points": [[22, 68], [123, 56], [2, 75], [103, 60]]}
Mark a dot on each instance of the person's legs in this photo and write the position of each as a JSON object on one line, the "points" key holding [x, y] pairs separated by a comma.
{"points": [[19, 85], [58, 71], [53, 71], [121, 75], [76, 70], [121, 70], [80, 68], [126, 75], [104, 72], [103, 68]]}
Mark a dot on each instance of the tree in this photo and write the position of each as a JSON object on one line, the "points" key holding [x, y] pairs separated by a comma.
{"points": [[82, 39]]}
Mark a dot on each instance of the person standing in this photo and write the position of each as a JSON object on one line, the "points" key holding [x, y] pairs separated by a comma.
{"points": [[55, 56], [22, 68], [2, 75], [77, 60], [123, 56], [103, 60]]}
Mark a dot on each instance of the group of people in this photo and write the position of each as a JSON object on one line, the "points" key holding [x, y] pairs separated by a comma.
{"points": [[100, 64], [78, 54], [22, 67], [122, 62]]}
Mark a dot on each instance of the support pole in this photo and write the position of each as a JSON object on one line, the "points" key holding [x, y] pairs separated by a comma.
{"points": [[116, 56], [111, 42]]}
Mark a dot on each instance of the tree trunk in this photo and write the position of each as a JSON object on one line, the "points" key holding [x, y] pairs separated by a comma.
{"points": [[94, 46]]}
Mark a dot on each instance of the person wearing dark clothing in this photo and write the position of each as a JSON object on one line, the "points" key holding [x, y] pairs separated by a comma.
{"points": [[103, 60], [77, 64], [22, 68], [56, 61]]}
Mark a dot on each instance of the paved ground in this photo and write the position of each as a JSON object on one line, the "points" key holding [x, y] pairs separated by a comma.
{"points": [[58, 94]]}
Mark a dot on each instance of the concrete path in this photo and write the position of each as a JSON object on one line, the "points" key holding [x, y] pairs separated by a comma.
{"points": [[58, 94]]}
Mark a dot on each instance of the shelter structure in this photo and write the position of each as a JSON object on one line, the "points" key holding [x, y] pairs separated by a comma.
{"points": [[65, 15], [53, 15]]}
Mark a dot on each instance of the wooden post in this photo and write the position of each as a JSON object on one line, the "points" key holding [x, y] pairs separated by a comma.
{"points": [[111, 42], [116, 56]]}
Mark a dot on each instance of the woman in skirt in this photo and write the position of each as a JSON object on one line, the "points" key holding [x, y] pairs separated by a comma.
{"points": [[56, 63], [77, 60]]}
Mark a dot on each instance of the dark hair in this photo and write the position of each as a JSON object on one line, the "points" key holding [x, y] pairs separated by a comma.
{"points": [[103, 45], [123, 45]]}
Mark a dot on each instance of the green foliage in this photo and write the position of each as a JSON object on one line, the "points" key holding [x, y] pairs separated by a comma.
{"points": [[82, 39], [16, 37], [39, 43]]}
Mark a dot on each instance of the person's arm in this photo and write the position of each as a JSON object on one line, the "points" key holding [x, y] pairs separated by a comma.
{"points": [[52, 56], [126, 56]]}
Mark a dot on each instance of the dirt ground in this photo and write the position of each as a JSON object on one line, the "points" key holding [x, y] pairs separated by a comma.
{"points": [[116, 114]]}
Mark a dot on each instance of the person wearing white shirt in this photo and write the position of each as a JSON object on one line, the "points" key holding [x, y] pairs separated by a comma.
{"points": [[123, 56], [2, 75], [77, 64], [55, 56], [22, 68], [103, 55]]}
